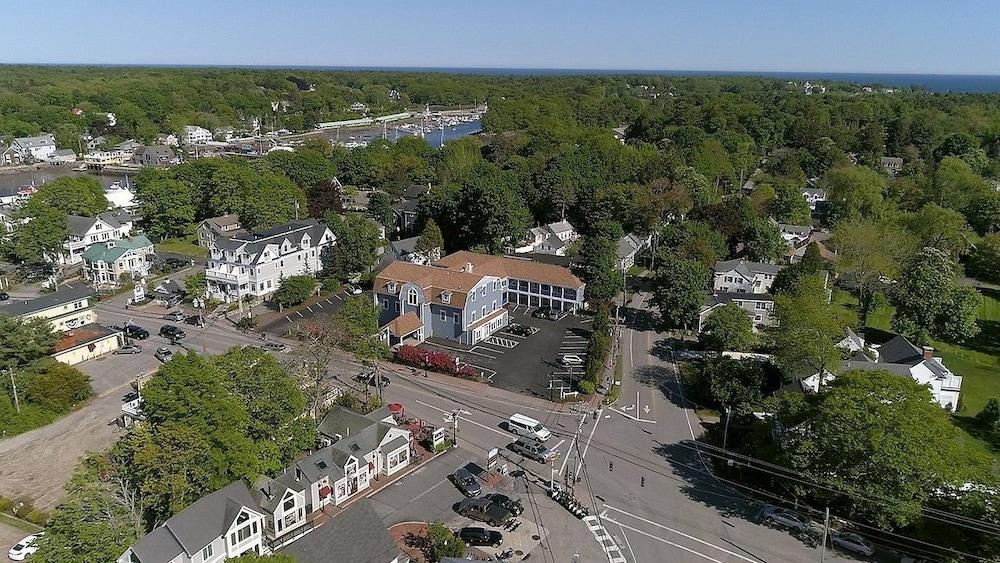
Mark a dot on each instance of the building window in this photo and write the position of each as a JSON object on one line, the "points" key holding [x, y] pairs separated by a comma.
{"points": [[457, 318], [207, 552], [760, 305], [444, 316], [397, 306], [411, 297], [482, 291], [288, 505], [243, 533]]}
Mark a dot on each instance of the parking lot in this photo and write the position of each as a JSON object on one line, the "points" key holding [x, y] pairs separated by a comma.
{"points": [[527, 363], [319, 311]]}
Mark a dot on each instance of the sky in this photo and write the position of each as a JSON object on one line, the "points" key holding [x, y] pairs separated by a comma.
{"points": [[912, 36]]}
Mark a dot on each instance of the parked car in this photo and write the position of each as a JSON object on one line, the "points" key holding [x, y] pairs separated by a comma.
{"points": [[171, 332], [4, 296], [276, 347], [513, 505], [784, 518], [483, 510], [129, 349], [195, 320], [369, 378], [135, 332], [164, 354], [545, 313], [531, 449], [466, 482], [849, 541], [570, 360], [174, 316], [480, 536], [24, 548], [519, 329], [353, 290]]}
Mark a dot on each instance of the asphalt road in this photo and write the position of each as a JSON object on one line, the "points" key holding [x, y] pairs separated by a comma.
{"points": [[659, 502]]}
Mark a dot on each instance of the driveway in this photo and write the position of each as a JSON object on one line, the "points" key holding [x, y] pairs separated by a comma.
{"points": [[318, 311]]}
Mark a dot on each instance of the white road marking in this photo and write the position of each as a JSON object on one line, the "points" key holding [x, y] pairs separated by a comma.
{"points": [[318, 304], [586, 446], [628, 543], [309, 307], [289, 318], [627, 415], [469, 420], [328, 301], [572, 444], [668, 542], [680, 533], [555, 448], [339, 298], [299, 313]]}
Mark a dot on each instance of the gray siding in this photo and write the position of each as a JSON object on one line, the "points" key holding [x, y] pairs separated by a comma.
{"points": [[447, 328], [387, 307], [485, 296]]}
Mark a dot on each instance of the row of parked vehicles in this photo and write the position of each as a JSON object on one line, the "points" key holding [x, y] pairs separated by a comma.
{"points": [[841, 539]]}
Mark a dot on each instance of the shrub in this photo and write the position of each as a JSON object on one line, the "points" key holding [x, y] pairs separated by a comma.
{"points": [[6, 503], [585, 387], [247, 323], [295, 289], [55, 386], [331, 285], [37, 516]]}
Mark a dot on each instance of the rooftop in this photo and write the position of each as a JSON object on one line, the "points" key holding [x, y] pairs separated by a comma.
{"points": [[112, 250], [506, 267], [77, 337], [357, 535], [47, 301]]}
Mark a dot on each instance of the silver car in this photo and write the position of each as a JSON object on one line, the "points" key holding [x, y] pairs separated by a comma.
{"points": [[849, 541], [784, 518], [467, 482]]}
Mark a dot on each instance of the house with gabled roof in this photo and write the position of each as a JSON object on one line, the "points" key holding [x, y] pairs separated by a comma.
{"points": [[104, 263], [219, 526], [223, 225], [743, 276], [628, 248], [85, 232], [552, 238], [254, 264], [358, 536]]}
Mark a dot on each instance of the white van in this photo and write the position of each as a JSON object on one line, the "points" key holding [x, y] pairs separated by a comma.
{"points": [[526, 426]]}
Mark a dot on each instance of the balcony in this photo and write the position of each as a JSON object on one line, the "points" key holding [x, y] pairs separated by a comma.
{"points": [[227, 277]]}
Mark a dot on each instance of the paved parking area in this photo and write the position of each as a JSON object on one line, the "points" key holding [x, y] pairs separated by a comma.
{"points": [[320, 311], [527, 364]]}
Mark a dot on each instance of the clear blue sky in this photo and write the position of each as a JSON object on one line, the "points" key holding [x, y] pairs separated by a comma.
{"points": [[957, 36]]}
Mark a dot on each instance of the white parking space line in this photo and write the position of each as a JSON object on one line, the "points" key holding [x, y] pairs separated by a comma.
{"points": [[469, 420], [328, 301], [473, 351], [678, 532], [289, 318], [318, 304], [309, 307], [659, 539], [339, 298], [299, 313]]}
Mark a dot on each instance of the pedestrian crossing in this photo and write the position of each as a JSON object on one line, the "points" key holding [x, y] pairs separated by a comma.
{"points": [[608, 544], [502, 342]]}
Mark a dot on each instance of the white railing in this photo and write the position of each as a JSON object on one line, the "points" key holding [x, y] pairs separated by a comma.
{"points": [[226, 276]]}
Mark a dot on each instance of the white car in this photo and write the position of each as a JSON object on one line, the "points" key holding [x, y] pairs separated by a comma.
{"points": [[353, 290], [570, 360], [24, 548], [849, 541]]}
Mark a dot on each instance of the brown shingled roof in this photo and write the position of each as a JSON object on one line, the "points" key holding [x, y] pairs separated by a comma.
{"points": [[432, 279], [517, 268], [86, 334], [404, 325]]}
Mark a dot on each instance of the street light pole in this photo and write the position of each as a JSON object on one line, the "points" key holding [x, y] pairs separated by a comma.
{"points": [[13, 385], [725, 433], [826, 532]]}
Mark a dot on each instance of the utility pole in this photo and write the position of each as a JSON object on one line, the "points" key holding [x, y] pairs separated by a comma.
{"points": [[13, 385], [826, 532], [725, 433]]}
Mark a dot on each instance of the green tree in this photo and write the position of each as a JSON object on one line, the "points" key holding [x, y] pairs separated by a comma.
{"points": [[680, 288], [737, 384], [930, 303], [55, 386], [272, 399], [69, 195], [693, 240], [763, 242], [380, 209], [984, 262], [358, 240], [507, 220], [356, 329], [40, 239], [598, 266], [940, 228], [880, 439], [788, 278], [807, 331], [984, 212], [195, 285], [712, 161], [869, 252], [854, 193], [431, 241], [788, 205], [97, 520], [294, 290], [167, 206], [728, 328], [443, 542], [24, 341], [989, 417], [956, 184]]}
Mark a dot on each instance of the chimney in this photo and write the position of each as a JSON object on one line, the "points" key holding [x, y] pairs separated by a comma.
{"points": [[928, 352], [468, 267]]}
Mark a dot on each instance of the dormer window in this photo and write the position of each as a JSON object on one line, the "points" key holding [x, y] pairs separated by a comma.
{"points": [[391, 287], [411, 297], [446, 297]]}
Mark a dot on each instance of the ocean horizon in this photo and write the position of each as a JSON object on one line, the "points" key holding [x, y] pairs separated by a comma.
{"points": [[942, 83]]}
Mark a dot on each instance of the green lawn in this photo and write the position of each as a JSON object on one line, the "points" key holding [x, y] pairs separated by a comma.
{"points": [[978, 362], [26, 527], [182, 245]]}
